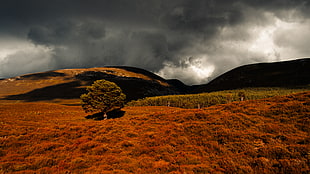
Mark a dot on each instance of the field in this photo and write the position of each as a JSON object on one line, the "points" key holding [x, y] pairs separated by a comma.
{"points": [[257, 136]]}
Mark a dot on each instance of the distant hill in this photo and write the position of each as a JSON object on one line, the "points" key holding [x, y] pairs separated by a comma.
{"points": [[65, 86], [278, 74]]}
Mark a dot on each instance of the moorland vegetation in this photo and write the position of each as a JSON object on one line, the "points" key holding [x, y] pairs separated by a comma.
{"points": [[254, 136]]}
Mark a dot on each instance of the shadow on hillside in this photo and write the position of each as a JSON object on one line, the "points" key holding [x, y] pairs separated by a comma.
{"points": [[277, 74], [43, 75], [111, 115], [69, 90], [134, 88]]}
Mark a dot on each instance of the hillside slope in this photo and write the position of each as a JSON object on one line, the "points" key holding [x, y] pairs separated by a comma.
{"points": [[258, 136], [276, 74], [65, 86]]}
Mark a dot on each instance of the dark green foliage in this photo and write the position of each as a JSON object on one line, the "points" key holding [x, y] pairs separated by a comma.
{"points": [[103, 96]]}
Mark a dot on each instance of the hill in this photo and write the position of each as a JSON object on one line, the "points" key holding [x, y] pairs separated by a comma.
{"points": [[258, 136], [277, 74], [65, 86]]}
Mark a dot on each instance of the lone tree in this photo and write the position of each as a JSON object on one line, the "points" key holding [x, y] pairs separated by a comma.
{"points": [[103, 96]]}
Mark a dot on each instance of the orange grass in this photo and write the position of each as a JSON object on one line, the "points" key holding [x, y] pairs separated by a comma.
{"points": [[259, 136]]}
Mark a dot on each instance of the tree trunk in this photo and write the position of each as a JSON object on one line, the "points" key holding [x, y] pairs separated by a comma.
{"points": [[105, 116]]}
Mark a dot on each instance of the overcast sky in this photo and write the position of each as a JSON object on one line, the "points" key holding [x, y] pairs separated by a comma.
{"points": [[191, 40]]}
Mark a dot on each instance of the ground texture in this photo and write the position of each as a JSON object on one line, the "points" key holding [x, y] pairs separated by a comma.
{"points": [[259, 136]]}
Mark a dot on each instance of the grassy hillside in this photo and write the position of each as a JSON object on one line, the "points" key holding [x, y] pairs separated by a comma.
{"points": [[257, 136], [191, 101], [275, 74], [65, 86]]}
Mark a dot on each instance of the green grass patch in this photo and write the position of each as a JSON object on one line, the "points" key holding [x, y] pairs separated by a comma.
{"points": [[191, 101]]}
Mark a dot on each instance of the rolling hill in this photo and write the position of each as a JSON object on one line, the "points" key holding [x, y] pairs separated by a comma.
{"points": [[277, 74], [65, 86]]}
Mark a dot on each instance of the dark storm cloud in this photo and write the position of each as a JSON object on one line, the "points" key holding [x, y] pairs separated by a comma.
{"points": [[66, 32], [180, 15], [157, 35]]}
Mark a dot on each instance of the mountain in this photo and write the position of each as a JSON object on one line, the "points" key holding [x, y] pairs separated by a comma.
{"points": [[277, 74], [65, 86]]}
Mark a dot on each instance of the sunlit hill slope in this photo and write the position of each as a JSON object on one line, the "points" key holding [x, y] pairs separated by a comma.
{"points": [[65, 86]]}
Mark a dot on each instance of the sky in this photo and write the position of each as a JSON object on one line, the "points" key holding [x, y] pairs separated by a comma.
{"points": [[190, 40]]}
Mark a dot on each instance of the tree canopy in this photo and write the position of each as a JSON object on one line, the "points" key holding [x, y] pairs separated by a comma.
{"points": [[103, 96]]}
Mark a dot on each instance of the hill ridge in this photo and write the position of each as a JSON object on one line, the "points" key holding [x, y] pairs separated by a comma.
{"points": [[66, 85], [269, 74], [47, 86]]}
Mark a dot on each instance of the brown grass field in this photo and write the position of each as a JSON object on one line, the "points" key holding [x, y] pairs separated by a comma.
{"points": [[257, 136]]}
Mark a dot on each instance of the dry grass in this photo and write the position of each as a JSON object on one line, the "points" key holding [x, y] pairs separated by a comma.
{"points": [[259, 136]]}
